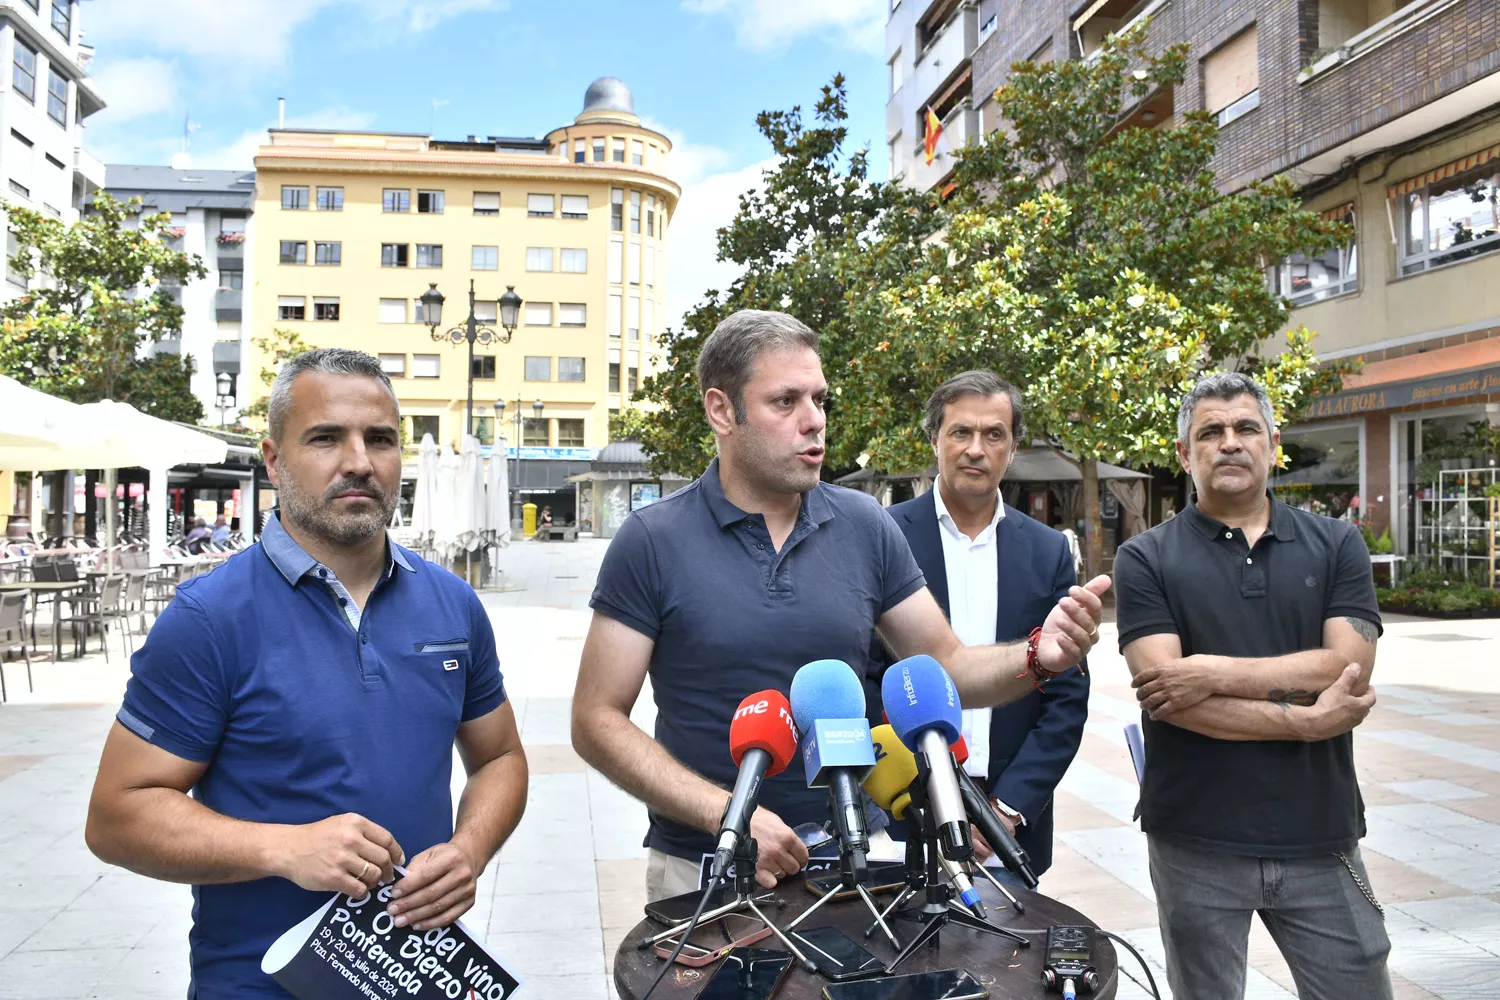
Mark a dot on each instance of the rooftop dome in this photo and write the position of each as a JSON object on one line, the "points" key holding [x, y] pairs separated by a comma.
{"points": [[608, 95]]}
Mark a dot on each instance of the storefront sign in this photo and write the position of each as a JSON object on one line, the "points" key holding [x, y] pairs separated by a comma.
{"points": [[1399, 394], [562, 454]]}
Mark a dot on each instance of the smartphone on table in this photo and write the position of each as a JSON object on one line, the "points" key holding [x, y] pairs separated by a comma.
{"points": [[950, 984], [835, 954], [747, 974]]}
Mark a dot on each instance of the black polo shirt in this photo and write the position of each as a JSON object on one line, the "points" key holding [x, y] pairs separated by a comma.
{"points": [[1197, 578], [730, 615]]}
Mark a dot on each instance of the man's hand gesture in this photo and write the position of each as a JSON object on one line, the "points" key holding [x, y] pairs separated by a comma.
{"points": [[1072, 627]]}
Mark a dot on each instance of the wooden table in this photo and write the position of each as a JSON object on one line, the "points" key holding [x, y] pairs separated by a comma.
{"points": [[57, 588], [1007, 972]]}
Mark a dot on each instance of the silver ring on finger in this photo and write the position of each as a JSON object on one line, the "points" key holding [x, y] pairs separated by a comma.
{"points": [[364, 871]]}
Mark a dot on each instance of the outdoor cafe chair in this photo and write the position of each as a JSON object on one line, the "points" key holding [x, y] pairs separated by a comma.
{"points": [[108, 605], [13, 633]]}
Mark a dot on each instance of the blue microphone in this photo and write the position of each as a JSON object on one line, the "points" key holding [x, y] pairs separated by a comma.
{"points": [[923, 707], [828, 703]]}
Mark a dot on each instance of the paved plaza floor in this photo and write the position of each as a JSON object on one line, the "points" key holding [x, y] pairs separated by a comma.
{"points": [[569, 884]]}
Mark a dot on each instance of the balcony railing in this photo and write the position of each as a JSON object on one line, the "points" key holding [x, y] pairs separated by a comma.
{"points": [[1376, 35]]}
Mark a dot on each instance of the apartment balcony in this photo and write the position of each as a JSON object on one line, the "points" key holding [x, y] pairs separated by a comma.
{"points": [[945, 54], [228, 305], [1103, 18], [959, 129]]}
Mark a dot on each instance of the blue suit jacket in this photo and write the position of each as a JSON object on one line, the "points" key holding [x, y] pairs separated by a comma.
{"points": [[1033, 740]]}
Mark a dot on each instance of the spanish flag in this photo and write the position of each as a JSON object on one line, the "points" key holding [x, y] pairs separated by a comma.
{"points": [[934, 130]]}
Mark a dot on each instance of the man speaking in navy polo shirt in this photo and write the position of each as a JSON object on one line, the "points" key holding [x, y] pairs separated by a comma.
{"points": [[288, 727], [730, 585]]}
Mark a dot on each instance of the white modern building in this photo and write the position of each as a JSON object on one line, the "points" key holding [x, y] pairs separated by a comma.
{"points": [[46, 97], [212, 214]]}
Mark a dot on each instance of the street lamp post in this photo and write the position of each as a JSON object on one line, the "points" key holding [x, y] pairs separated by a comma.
{"points": [[470, 331], [515, 482], [224, 400]]}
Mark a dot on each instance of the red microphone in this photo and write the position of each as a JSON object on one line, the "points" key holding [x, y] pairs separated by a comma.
{"points": [[960, 749], [762, 741]]}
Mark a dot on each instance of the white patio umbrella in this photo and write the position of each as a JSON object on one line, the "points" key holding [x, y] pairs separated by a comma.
{"points": [[468, 497], [424, 502], [33, 425], [444, 530], [498, 501]]}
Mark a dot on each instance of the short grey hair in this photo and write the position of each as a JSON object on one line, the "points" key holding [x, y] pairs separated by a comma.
{"points": [[1223, 385], [334, 361], [728, 355], [978, 382]]}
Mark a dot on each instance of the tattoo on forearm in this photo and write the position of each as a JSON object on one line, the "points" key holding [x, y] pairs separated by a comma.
{"points": [[1367, 630], [1294, 696]]}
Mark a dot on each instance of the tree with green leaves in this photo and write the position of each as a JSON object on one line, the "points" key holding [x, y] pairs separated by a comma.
{"points": [[96, 297], [1096, 264], [280, 346], [800, 241]]}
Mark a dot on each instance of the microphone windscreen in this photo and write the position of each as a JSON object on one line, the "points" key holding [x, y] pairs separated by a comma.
{"points": [[895, 770], [826, 689], [764, 722], [919, 695], [960, 749]]}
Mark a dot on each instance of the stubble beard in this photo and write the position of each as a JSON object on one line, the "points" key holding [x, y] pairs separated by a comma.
{"points": [[318, 517]]}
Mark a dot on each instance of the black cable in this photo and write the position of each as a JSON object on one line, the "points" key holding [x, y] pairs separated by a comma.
{"points": [[1131, 948], [708, 891]]}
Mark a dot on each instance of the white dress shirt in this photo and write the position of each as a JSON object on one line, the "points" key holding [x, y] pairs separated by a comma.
{"points": [[973, 600]]}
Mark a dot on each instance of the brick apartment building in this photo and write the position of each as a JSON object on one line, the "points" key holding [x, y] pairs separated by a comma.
{"points": [[1387, 114]]}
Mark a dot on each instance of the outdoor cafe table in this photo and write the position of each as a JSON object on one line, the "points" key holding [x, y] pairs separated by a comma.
{"points": [[58, 589]]}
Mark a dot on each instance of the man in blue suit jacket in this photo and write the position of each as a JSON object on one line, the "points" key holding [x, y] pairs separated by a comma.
{"points": [[996, 573]]}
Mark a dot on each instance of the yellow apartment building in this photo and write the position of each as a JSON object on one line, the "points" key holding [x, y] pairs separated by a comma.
{"points": [[353, 227]]}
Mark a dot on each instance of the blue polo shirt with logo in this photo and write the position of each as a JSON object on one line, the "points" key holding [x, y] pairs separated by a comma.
{"points": [[303, 710], [730, 615]]}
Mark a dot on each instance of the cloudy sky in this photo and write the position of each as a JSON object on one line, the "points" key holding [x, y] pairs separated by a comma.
{"points": [[700, 71]]}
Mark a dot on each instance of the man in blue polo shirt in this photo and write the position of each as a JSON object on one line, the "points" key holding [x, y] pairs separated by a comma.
{"points": [[288, 727], [730, 585]]}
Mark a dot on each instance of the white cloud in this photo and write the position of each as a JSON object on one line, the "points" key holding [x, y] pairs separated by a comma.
{"points": [[689, 162], [766, 25], [137, 87], [239, 153], [692, 240]]}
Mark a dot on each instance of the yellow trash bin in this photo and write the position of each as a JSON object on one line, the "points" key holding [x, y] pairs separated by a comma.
{"points": [[528, 519]]}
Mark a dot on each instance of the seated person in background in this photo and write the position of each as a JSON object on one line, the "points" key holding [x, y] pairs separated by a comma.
{"points": [[195, 538], [221, 531]]}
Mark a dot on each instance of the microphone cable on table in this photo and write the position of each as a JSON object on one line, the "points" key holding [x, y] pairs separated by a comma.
{"points": [[692, 925]]}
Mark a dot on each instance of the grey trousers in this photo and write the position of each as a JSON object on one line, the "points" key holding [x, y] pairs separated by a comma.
{"points": [[1332, 936], [668, 876]]}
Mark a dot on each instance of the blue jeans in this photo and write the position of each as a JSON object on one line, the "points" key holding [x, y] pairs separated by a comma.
{"points": [[1331, 935]]}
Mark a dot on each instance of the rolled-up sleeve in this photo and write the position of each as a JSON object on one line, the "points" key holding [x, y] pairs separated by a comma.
{"points": [[179, 692]]}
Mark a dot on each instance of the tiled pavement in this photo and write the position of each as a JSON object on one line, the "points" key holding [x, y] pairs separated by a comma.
{"points": [[569, 884]]}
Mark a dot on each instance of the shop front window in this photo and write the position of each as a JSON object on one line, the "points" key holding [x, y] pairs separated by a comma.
{"points": [[1322, 470], [1444, 464]]}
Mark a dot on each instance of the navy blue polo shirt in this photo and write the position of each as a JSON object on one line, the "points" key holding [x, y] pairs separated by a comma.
{"points": [[257, 671], [731, 616]]}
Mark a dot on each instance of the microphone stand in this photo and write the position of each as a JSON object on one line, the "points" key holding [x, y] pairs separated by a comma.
{"points": [[984, 870], [745, 855], [925, 875], [853, 873]]}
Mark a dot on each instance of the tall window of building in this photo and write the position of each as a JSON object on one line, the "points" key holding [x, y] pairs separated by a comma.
{"points": [[570, 430], [485, 259], [486, 203], [634, 257], [1449, 216], [12, 251], [393, 365], [21, 189], [650, 215], [538, 369], [394, 254], [534, 431], [294, 197], [617, 210], [57, 97], [430, 202], [486, 310], [632, 372], [538, 314], [483, 366], [328, 254], [635, 212], [598, 150], [540, 206], [1231, 78], [637, 152], [613, 320], [429, 255], [395, 200], [650, 266], [294, 251], [423, 425], [575, 261], [617, 147], [895, 71], [393, 311], [648, 318], [572, 314], [62, 18], [426, 365], [330, 199], [570, 370], [1303, 280], [23, 72], [231, 280], [616, 261], [633, 318], [580, 150], [538, 258], [231, 225], [325, 309], [613, 384], [289, 307]]}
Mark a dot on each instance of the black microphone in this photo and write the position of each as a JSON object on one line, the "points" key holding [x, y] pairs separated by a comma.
{"points": [[982, 815], [762, 741]]}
